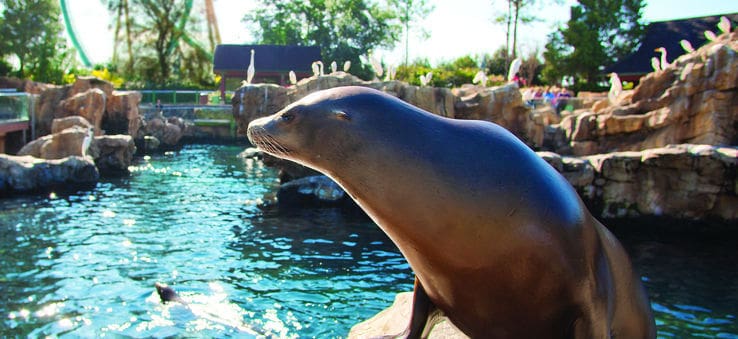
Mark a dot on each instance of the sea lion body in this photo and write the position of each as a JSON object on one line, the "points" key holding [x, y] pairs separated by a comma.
{"points": [[498, 240]]}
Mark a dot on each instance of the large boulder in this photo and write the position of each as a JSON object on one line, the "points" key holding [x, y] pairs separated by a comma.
{"points": [[27, 173], [73, 137], [113, 154], [74, 140], [89, 105], [121, 113], [394, 320], [167, 131], [59, 125]]}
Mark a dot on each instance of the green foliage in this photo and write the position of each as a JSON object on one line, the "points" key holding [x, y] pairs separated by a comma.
{"points": [[5, 68], [165, 55], [448, 74], [343, 29], [411, 73], [598, 33], [497, 63], [32, 32], [518, 13]]}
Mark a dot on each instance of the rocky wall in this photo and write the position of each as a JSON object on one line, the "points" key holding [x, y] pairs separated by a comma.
{"points": [[692, 100]]}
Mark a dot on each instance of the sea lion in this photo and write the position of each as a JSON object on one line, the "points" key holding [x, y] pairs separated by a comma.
{"points": [[499, 241], [167, 294]]}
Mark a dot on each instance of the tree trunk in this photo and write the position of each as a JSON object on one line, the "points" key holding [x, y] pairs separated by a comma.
{"points": [[407, 30], [116, 34], [129, 40], [515, 29], [507, 32]]}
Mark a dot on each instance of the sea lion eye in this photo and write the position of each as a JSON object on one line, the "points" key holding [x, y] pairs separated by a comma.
{"points": [[342, 115], [288, 117]]}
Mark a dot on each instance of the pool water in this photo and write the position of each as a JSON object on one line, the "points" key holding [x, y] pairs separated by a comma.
{"points": [[84, 264]]}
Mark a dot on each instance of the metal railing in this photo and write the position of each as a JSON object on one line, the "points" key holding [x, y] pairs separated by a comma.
{"points": [[177, 97], [18, 107]]}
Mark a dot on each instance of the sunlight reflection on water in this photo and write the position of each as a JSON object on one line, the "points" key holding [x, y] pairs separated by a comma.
{"points": [[85, 264]]}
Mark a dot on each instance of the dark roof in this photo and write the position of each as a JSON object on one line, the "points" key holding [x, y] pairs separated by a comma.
{"points": [[667, 34], [267, 58]]}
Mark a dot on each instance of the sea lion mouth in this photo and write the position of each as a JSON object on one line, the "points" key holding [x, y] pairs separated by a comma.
{"points": [[262, 140]]}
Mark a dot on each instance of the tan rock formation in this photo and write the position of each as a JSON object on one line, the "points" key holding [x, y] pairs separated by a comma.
{"points": [[694, 100], [167, 131], [74, 140], [121, 113], [683, 181], [73, 137], [108, 110], [113, 154], [89, 105], [502, 105], [394, 320], [59, 125]]}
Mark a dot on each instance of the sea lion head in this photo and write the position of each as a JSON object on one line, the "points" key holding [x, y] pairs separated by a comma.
{"points": [[166, 293], [319, 130]]}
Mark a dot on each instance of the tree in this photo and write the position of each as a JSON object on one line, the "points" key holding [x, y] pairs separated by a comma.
{"points": [[518, 12], [409, 11], [121, 11], [598, 34], [343, 29], [32, 32], [497, 63], [156, 32]]}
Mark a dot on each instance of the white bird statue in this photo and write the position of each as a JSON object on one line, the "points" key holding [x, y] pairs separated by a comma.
{"points": [[663, 61], [615, 88], [687, 46], [347, 66], [334, 67], [710, 36], [724, 25], [320, 64], [514, 68], [376, 65], [480, 78], [316, 69], [425, 79], [293, 78], [655, 64], [251, 70]]}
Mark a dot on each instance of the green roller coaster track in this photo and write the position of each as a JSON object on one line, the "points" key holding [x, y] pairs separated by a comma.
{"points": [[180, 30], [73, 35]]}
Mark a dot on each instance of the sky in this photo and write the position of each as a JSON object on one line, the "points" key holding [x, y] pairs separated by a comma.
{"points": [[456, 27]]}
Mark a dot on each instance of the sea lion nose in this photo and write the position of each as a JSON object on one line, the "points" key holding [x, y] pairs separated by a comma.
{"points": [[256, 127]]}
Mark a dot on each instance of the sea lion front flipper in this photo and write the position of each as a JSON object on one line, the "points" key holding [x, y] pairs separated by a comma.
{"points": [[422, 309]]}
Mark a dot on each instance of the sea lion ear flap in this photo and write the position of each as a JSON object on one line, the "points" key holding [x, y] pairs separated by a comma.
{"points": [[342, 115]]}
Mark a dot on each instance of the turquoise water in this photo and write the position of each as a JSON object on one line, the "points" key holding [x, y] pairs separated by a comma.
{"points": [[85, 264]]}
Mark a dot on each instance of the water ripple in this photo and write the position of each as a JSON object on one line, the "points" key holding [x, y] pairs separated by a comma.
{"points": [[84, 264]]}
